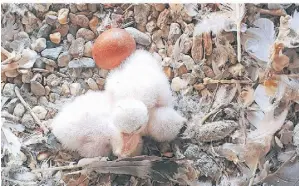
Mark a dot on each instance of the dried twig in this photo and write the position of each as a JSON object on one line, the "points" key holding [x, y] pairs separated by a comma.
{"points": [[19, 182], [224, 81], [27, 106]]}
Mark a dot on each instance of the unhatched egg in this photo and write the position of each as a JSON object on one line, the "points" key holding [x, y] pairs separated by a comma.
{"points": [[112, 47]]}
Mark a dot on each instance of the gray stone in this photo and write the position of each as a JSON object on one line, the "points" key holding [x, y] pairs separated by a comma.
{"points": [[40, 112], [53, 80], [86, 34], [92, 7], [178, 84], [49, 62], [64, 59], [75, 89], [140, 37], [92, 84], [27, 77], [9, 90], [84, 62], [44, 31], [82, 7], [88, 49], [51, 19], [37, 88], [28, 121], [12, 104], [39, 44], [77, 48], [174, 32], [19, 110], [103, 73], [65, 90], [52, 53], [39, 63]]}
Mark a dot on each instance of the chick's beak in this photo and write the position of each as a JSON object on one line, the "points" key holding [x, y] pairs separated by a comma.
{"points": [[130, 143]]}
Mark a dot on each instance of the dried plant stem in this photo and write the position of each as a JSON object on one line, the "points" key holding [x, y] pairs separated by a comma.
{"points": [[27, 106], [232, 81], [58, 168], [238, 35], [276, 12], [18, 182]]}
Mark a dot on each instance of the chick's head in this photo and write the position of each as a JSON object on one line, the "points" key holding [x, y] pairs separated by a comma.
{"points": [[130, 115]]}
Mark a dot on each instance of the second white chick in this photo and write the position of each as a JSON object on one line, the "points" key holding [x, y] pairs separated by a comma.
{"points": [[85, 125], [164, 124], [94, 126], [140, 77]]}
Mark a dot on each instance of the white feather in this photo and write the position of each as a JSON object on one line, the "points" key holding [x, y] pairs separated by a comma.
{"points": [[226, 19]]}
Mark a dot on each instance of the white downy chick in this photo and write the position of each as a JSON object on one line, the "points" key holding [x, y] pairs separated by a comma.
{"points": [[140, 77], [130, 116], [164, 124], [85, 125]]}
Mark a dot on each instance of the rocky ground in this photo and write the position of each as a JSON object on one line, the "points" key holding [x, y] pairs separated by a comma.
{"points": [[231, 137]]}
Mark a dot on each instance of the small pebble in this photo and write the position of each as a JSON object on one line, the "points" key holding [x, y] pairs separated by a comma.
{"points": [[64, 59], [92, 7], [39, 44], [19, 110], [65, 90], [27, 77], [86, 34], [28, 121], [75, 89], [11, 73], [44, 31], [103, 73], [92, 84], [83, 62], [51, 19], [37, 88], [55, 37], [62, 29], [174, 32], [52, 53], [77, 48], [93, 23], [88, 49], [9, 90], [140, 37], [178, 84], [63, 15], [82, 6], [40, 112]]}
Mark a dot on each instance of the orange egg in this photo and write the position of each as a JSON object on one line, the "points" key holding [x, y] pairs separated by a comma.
{"points": [[112, 47]]}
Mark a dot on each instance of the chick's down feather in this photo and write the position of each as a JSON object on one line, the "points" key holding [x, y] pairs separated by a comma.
{"points": [[85, 125], [130, 115], [164, 124], [140, 77]]}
